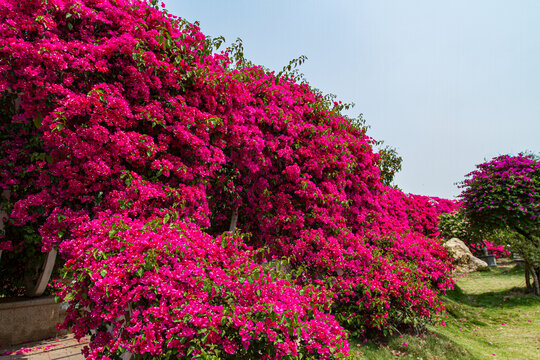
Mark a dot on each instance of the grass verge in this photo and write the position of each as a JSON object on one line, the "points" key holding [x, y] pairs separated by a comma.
{"points": [[488, 316]]}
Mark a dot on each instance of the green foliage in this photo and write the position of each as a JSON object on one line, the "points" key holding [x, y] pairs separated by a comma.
{"points": [[389, 160], [389, 164], [455, 225], [292, 70], [236, 53]]}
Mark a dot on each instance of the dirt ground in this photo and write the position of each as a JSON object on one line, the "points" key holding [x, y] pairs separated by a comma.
{"points": [[64, 348]]}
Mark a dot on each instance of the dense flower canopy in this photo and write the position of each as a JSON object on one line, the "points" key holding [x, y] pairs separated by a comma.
{"points": [[115, 109], [154, 270], [505, 190], [503, 195]]}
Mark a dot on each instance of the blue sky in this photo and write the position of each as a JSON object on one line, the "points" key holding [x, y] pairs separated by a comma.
{"points": [[448, 84]]}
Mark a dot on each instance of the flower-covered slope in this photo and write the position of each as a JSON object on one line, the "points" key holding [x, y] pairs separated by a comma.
{"points": [[113, 109]]}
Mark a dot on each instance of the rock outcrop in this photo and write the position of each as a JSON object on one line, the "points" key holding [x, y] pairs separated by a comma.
{"points": [[464, 260]]}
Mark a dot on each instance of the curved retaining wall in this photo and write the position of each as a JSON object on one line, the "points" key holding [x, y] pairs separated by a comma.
{"points": [[23, 320]]}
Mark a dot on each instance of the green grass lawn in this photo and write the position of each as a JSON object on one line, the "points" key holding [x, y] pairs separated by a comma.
{"points": [[488, 316]]}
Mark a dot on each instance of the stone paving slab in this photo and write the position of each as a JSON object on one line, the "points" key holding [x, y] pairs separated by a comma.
{"points": [[60, 348]]}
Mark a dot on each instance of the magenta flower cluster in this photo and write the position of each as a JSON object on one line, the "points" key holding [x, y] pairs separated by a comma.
{"points": [[505, 190], [133, 147], [166, 288], [493, 249]]}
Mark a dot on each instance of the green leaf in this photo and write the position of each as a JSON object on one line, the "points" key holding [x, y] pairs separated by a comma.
{"points": [[37, 121]]}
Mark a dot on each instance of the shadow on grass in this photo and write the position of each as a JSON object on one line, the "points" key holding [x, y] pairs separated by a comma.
{"points": [[428, 346], [508, 298], [488, 292], [506, 270]]}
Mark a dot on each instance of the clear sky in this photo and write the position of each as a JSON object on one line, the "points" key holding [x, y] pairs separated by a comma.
{"points": [[447, 83]]}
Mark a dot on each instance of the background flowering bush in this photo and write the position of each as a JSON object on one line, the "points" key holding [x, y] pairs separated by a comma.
{"points": [[115, 110], [503, 195]]}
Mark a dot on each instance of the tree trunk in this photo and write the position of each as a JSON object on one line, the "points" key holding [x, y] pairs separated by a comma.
{"points": [[527, 278], [529, 264], [536, 284], [234, 220]]}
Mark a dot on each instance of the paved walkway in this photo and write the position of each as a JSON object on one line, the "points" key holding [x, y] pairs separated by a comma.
{"points": [[64, 348]]}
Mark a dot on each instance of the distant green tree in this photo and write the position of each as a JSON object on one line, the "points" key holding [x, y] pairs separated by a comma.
{"points": [[504, 195], [389, 159], [389, 164], [456, 225]]}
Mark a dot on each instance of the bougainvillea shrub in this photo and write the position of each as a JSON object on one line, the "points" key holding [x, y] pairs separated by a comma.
{"points": [[155, 288], [503, 195], [415, 212], [390, 283], [493, 249], [115, 107], [504, 190]]}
